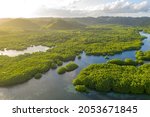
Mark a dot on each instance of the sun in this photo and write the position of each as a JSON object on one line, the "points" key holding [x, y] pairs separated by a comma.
{"points": [[28, 8], [16, 8]]}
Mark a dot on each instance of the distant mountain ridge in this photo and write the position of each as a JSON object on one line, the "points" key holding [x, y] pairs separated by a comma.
{"points": [[69, 23], [140, 21], [63, 24]]}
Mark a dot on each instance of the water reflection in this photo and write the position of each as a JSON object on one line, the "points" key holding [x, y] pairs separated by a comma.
{"points": [[55, 87], [30, 50]]}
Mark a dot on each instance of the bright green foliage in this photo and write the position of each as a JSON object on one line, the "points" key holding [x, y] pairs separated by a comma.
{"points": [[14, 70], [111, 77], [53, 66], [59, 63], [130, 62], [64, 25], [94, 40], [71, 66], [127, 61], [61, 70], [38, 76], [146, 29], [143, 55], [81, 88], [139, 55], [116, 61], [140, 62]]}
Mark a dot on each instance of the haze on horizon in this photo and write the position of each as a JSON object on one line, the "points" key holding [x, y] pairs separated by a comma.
{"points": [[73, 8]]}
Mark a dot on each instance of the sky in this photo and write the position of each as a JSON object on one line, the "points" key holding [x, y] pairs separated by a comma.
{"points": [[73, 8]]}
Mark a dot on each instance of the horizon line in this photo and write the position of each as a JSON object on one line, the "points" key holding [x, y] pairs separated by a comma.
{"points": [[72, 17]]}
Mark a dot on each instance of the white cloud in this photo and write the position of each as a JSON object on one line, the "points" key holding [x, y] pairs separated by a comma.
{"points": [[72, 8], [144, 5], [119, 4], [97, 8], [61, 12], [124, 6]]}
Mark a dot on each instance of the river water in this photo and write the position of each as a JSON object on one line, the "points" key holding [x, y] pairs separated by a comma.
{"points": [[29, 50], [59, 87]]}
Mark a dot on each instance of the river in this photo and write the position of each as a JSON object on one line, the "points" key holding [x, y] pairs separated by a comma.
{"points": [[59, 87], [29, 50]]}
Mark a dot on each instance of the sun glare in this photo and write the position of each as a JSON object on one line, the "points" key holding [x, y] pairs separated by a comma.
{"points": [[28, 8], [16, 8]]}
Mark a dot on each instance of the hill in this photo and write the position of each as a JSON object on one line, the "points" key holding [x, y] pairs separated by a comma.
{"points": [[63, 24], [3, 20], [130, 21], [68, 23], [42, 21], [19, 24]]}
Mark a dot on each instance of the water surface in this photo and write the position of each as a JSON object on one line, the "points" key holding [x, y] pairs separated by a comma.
{"points": [[53, 86], [29, 50]]}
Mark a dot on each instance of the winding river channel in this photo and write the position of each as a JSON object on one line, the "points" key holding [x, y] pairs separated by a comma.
{"points": [[55, 87]]}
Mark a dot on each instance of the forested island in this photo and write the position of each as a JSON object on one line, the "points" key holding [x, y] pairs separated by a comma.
{"points": [[112, 77], [67, 38]]}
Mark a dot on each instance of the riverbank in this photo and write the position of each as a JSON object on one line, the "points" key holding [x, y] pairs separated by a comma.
{"points": [[125, 79], [44, 88]]}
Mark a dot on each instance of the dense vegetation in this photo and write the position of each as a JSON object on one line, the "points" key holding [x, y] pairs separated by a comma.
{"points": [[71, 66], [111, 77], [18, 34], [143, 56], [22, 68], [61, 70], [129, 21], [38, 76], [127, 61], [64, 25], [67, 68], [81, 88]]}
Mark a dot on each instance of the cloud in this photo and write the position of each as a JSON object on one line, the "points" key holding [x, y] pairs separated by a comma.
{"points": [[142, 6], [83, 8], [124, 6], [61, 12]]}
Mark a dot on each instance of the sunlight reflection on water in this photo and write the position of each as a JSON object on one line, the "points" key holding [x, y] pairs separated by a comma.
{"points": [[29, 50]]}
